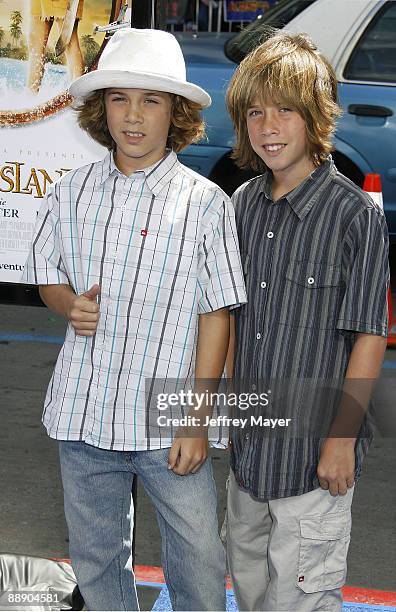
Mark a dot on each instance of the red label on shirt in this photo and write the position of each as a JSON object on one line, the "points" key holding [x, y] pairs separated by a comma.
{"points": [[143, 232], [301, 579]]}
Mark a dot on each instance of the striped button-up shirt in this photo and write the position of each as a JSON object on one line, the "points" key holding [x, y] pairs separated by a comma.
{"points": [[316, 272], [162, 245]]}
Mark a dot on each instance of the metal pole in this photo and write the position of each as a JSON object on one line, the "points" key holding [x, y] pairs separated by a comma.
{"points": [[210, 15], [197, 15], [219, 10]]}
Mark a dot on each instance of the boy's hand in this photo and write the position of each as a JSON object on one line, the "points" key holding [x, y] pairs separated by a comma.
{"points": [[336, 468], [187, 455], [84, 312]]}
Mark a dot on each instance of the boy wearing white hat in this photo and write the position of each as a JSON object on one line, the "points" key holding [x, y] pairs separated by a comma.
{"points": [[140, 254]]}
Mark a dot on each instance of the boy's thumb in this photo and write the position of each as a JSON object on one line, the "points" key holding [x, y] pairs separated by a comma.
{"points": [[92, 293]]}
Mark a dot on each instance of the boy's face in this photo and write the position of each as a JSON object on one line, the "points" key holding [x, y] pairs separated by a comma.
{"points": [[138, 121], [278, 135]]}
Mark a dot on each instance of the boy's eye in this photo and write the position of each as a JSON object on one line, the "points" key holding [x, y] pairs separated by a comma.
{"points": [[254, 113], [285, 109], [151, 100], [117, 99]]}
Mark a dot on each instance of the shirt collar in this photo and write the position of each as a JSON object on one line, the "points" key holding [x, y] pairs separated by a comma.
{"points": [[303, 197], [156, 176]]}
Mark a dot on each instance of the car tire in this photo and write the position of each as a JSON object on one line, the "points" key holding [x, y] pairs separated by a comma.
{"points": [[228, 176], [348, 168]]}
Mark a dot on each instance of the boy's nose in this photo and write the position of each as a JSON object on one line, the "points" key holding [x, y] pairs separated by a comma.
{"points": [[269, 126], [133, 114]]}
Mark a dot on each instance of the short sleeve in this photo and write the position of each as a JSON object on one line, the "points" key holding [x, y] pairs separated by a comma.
{"points": [[220, 276], [364, 307], [238, 198], [44, 265]]}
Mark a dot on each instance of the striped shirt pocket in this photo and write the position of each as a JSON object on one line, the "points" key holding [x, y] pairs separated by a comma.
{"points": [[313, 294]]}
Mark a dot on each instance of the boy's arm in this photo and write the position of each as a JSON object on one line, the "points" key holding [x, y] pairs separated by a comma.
{"points": [[189, 453], [337, 460], [81, 310]]}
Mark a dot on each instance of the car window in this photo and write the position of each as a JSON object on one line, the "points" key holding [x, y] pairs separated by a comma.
{"points": [[237, 47], [374, 57]]}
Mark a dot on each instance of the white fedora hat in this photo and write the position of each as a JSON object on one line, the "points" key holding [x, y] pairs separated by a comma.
{"points": [[141, 59]]}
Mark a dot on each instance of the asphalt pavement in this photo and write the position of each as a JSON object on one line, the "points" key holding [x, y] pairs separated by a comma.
{"points": [[31, 507]]}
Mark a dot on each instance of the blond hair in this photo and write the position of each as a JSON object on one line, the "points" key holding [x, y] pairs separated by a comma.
{"points": [[287, 69], [187, 125]]}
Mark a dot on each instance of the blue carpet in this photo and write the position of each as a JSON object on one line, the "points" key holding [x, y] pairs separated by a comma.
{"points": [[163, 604]]}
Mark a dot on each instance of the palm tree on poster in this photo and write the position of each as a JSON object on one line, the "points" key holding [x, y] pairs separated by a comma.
{"points": [[91, 49], [15, 27]]}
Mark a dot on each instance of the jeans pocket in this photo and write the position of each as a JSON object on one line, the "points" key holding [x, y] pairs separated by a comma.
{"points": [[323, 551]]}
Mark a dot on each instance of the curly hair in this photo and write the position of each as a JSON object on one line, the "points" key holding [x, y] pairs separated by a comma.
{"points": [[289, 70], [187, 125]]}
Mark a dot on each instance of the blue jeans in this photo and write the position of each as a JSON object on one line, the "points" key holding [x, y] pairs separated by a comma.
{"points": [[99, 513]]}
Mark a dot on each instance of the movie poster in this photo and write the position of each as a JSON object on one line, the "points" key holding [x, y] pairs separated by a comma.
{"points": [[44, 45]]}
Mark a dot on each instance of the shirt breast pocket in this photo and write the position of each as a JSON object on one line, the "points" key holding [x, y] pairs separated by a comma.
{"points": [[313, 294], [169, 256]]}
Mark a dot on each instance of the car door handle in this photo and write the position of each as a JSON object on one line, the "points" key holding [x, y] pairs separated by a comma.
{"points": [[368, 110]]}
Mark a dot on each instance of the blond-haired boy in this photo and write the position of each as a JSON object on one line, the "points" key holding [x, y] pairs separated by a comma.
{"points": [[314, 250]]}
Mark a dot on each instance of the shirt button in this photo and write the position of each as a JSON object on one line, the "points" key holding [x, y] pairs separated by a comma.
{"points": [[247, 436], [258, 336], [311, 280], [270, 235], [263, 285]]}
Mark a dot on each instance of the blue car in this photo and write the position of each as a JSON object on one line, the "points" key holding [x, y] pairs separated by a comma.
{"points": [[359, 38]]}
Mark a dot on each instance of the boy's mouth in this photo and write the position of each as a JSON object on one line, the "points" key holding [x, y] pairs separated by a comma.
{"points": [[274, 148], [131, 134]]}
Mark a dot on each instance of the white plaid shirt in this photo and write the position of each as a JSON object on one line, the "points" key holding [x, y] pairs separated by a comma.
{"points": [[162, 245]]}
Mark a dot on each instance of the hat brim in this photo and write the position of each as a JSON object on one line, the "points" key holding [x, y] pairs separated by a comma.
{"points": [[105, 79]]}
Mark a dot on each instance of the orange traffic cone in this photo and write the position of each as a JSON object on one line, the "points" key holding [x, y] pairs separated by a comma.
{"points": [[372, 185]]}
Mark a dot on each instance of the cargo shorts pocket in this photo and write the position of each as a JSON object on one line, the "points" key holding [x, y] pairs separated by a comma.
{"points": [[323, 551]]}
